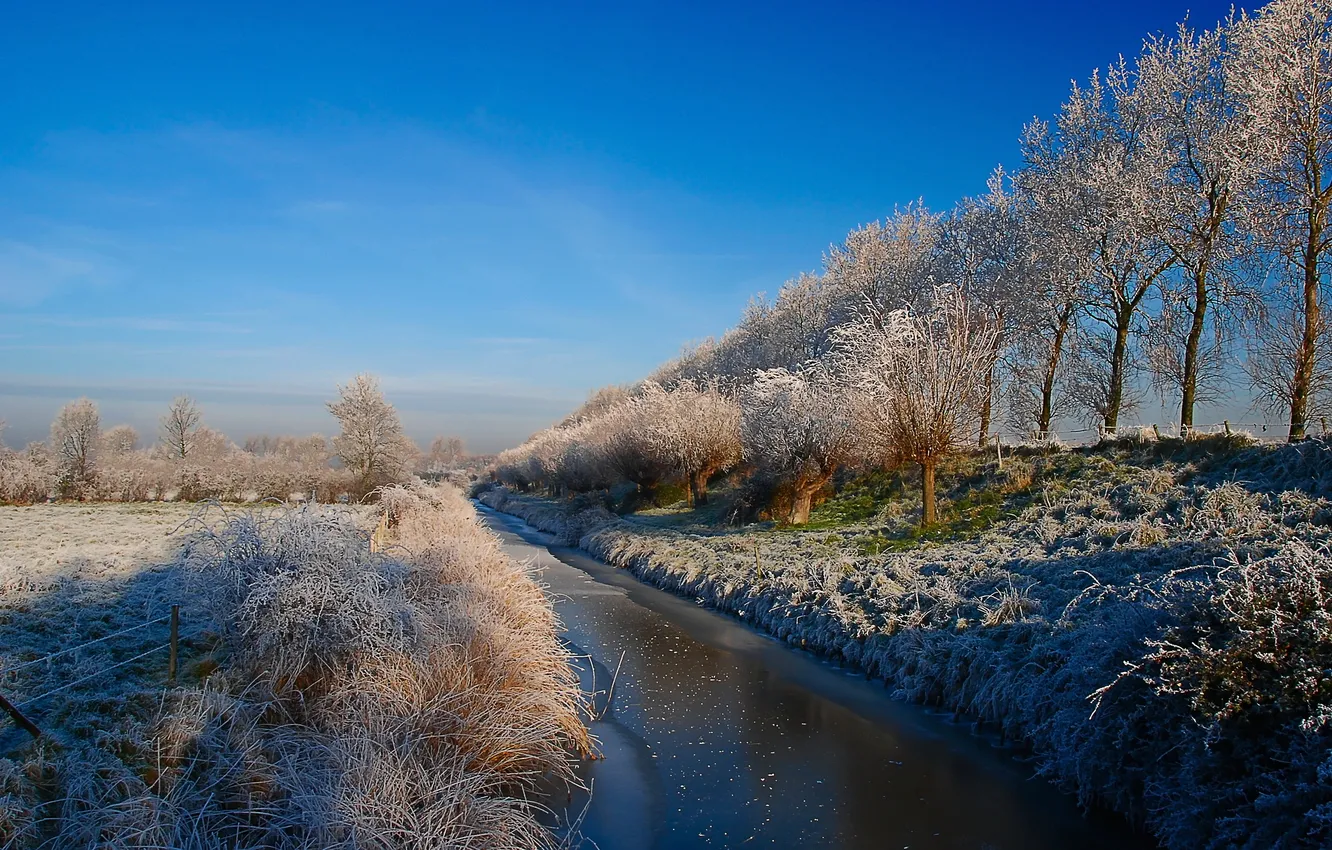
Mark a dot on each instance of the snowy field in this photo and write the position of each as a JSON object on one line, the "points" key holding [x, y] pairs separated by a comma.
{"points": [[72, 573]]}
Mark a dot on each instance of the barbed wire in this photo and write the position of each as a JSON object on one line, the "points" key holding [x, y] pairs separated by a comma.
{"points": [[91, 676], [67, 650]]}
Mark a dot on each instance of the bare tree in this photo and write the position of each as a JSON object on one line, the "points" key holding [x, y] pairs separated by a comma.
{"points": [[1105, 165], [1185, 88], [75, 437], [795, 427], [372, 443], [179, 427], [918, 378], [1281, 65]]}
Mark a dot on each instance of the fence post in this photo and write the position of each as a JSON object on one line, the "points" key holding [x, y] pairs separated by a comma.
{"points": [[1226, 422], [999, 450], [758, 565], [175, 639], [26, 724], [1156, 429]]}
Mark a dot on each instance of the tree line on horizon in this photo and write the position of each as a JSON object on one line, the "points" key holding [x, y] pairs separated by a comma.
{"points": [[191, 461], [1168, 229]]}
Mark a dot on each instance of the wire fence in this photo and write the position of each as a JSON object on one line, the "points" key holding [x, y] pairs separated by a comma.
{"points": [[18, 711], [1262, 431]]}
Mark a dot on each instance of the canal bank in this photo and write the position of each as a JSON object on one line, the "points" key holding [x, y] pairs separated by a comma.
{"points": [[718, 736]]}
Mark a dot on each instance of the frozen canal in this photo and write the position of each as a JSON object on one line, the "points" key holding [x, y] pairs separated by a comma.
{"points": [[717, 736]]}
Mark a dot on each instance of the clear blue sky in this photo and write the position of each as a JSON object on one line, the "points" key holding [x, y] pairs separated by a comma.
{"points": [[496, 207]]}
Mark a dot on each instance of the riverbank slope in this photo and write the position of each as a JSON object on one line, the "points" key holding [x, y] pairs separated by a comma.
{"points": [[1155, 621]]}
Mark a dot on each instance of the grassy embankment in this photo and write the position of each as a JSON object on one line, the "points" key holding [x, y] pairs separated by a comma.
{"points": [[1153, 618], [329, 696]]}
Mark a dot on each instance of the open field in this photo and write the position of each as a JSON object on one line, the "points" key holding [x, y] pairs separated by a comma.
{"points": [[329, 696]]}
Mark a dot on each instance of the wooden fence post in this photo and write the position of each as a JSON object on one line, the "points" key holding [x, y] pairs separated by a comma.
{"points": [[175, 640], [23, 722]]}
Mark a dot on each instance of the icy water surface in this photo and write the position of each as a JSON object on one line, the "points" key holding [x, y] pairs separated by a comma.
{"points": [[717, 736]]}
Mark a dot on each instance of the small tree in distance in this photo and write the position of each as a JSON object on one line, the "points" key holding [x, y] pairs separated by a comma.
{"points": [[179, 428], [75, 437], [119, 441], [372, 443]]}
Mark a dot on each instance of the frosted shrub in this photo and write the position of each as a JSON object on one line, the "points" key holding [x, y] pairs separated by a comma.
{"points": [[27, 476], [300, 595], [1247, 658]]}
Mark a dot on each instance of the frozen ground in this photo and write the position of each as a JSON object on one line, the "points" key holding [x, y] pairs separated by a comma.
{"points": [[333, 692], [71, 573]]}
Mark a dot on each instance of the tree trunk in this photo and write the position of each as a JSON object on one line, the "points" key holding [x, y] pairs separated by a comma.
{"points": [[801, 504], [1189, 391], [1118, 357], [1052, 368], [1306, 357], [927, 516], [986, 406], [698, 487]]}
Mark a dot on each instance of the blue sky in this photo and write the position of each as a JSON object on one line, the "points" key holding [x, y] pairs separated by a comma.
{"points": [[494, 207]]}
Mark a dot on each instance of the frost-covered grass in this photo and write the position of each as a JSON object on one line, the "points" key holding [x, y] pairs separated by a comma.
{"points": [[1155, 620], [409, 697]]}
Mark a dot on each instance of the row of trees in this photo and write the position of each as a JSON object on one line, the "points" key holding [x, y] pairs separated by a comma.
{"points": [[1169, 229], [192, 460], [902, 386]]}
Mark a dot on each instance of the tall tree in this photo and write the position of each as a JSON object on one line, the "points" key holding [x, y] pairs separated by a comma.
{"points": [[1281, 67], [371, 443], [1184, 87], [1105, 163], [983, 249]]}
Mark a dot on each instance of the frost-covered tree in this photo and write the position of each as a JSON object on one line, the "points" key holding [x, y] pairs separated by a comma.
{"points": [[886, 263], [119, 441], [444, 454], [371, 444], [795, 427], [179, 427], [918, 380], [76, 435], [1105, 163], [695, 427], [1045, 318], [623, 436], [1281, 68], [984, 249], [1184, 88]]}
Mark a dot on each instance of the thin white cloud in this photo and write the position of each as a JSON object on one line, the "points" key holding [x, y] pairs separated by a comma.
{"points": [[29, 273]]}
